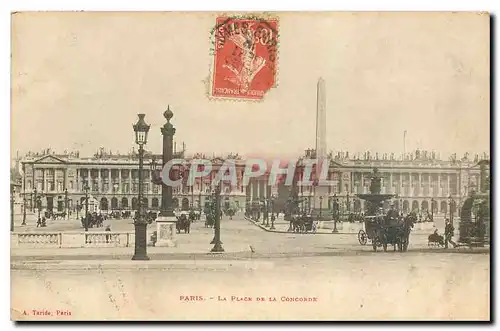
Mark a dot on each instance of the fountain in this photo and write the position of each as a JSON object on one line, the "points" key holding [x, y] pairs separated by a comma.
{"points": [[375, 199]]}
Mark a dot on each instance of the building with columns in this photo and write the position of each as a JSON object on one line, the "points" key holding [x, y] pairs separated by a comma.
{"points": [[418, 180]]}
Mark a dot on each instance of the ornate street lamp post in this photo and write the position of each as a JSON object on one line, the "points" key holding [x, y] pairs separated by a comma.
{"points": [[34, 200], [86, 189], [199, 195], [432, 209], [115, 189], [24, 209], [12, 193], [268, 206], [77, 208], [66, 204], [154, 172], [452, 208], [320, 206], [141, 130], [348, 201], [24, 196], [273, 217], [39, 203], [335, 207], [217, 242]]}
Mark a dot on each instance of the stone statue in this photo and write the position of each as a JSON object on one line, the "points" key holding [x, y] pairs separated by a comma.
{"points": [[376, 182]]}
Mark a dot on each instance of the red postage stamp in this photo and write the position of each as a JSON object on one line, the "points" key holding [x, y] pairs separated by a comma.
{"points": [[245, 57]]}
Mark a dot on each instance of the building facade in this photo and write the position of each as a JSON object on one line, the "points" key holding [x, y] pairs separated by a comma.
{"points": [[418, 180]]}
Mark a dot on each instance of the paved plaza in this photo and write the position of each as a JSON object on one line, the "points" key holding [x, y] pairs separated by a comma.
{"points": [[347, 280]]}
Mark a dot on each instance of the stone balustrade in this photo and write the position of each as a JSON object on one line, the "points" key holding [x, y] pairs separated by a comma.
{"points": [[73, 239], [47, 239]]}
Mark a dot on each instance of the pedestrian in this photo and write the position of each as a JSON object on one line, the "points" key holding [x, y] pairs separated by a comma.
{"points": [[448, 233], [39, 222], [108, 229]]}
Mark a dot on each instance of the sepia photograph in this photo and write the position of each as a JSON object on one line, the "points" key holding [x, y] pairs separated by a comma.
{"points": [[250, 166]]}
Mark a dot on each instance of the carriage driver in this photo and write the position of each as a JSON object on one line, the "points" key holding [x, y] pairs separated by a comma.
{"points": [[392, 214]]}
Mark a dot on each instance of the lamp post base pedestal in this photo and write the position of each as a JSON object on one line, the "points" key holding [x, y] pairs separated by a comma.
{"points": [[166, 231], [140, 252], [217, 248], [140, 257]]}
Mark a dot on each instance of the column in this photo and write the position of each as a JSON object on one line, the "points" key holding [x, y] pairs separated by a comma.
{"points": [[341, 186], [420, 184], [65, 183], [448, 184], [390, 183], [439, 185], [258, 189], [77, 180], [129, 181], [361, 184], [56, 188], [99, 181], [411, 192], [119, 180], [251, 190], [44, 184], [110, 184]]}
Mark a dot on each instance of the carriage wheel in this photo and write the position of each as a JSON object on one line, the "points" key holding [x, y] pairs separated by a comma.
{"points": [[362, 237]]}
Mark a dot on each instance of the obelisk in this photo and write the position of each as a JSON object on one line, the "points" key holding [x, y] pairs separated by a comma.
{"points": [[321, 191], [321, 120]]}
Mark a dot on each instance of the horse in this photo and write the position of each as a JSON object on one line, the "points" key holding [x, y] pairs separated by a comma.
{"points": [[408, 224], [183, 223], [209, 219]]}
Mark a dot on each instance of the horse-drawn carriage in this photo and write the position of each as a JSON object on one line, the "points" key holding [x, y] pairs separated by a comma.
{"points": [[229, 212], [183, 222], [384, 230], [92, 220], [302, 223]]}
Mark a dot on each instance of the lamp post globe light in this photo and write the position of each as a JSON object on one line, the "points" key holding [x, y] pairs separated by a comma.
{"points": [[141, 130]]}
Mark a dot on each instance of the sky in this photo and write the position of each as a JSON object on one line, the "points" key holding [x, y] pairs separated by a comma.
{"points": [[80, 79]]}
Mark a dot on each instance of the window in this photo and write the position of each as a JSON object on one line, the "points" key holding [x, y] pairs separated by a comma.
{"points": [[71, 185], [28, 184]]}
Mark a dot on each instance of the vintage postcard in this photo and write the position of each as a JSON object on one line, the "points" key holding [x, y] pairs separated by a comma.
{"points": [[219, 166]]}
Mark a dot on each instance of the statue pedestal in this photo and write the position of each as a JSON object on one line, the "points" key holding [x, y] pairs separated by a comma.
{"points": [[320, 191], [166, 231]]}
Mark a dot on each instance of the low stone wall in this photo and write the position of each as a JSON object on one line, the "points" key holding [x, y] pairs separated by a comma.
{"points": [[72, 239]]}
